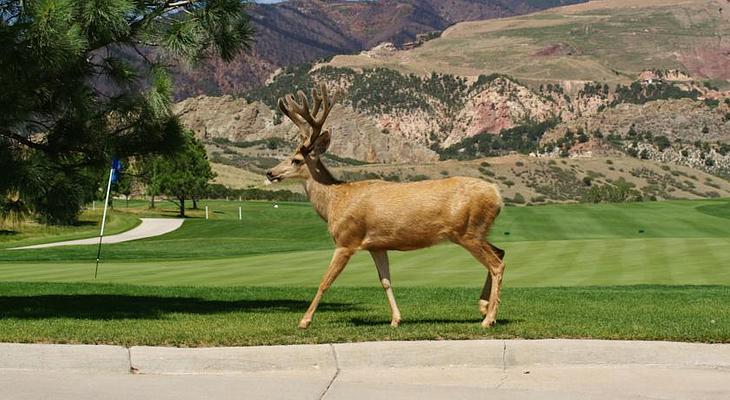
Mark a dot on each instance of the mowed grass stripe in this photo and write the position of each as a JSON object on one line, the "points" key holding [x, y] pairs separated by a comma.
{"points": [[549, 263], [295, 227]]}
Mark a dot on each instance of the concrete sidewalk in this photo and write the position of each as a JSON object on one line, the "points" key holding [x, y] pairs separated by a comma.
{"points": [[498, 369], [149, 227]]}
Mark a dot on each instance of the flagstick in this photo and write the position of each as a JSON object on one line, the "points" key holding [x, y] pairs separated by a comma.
{"points": [[103, 220]]}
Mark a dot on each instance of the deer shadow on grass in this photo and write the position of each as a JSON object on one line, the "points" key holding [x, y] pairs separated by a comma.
{"points": [[386, 321], [110, 307]]}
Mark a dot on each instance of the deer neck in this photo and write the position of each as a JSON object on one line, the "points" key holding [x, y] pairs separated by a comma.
{"points": [[319, 187]]}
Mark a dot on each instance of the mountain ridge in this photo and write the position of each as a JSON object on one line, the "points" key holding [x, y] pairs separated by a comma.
{"points": [[300, 31]]}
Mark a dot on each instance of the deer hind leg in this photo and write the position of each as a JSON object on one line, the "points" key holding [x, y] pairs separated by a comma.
{"points": [[381, 263], [490, 258], [487, 289], [339, 260]]}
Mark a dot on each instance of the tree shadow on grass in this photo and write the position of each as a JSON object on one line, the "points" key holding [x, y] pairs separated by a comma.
{"points": [[101, 307], [475, 320]]}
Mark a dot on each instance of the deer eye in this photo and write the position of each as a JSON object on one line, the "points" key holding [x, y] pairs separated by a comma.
{"points": [[296, 161]]}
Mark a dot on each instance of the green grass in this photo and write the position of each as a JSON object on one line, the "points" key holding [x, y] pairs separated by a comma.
{"points": [[676, 261], [573, 271], [295, 227], [186, 316], [683, 242]]}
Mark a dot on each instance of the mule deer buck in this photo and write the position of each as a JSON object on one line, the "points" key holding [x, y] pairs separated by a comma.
{"points": [[378, 216]]}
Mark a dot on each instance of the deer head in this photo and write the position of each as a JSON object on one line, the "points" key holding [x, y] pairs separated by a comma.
{"points": [[313, 141]]}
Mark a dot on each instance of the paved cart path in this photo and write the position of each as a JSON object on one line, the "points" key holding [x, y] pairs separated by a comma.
{"points": [[479, 369], [149, 227]]}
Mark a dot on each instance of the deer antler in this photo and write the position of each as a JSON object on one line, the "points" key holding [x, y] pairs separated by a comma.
{"points": [[309, 123]]}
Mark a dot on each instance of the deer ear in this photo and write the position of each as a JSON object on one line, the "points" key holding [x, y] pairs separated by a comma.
{"points": [[321, 144]]}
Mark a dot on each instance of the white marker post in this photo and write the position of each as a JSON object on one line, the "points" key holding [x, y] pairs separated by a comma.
{"points": [[103, 220], [240, 213], [206, 212], [93, 205]]}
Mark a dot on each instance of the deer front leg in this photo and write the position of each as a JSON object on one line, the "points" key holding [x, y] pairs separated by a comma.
{"points": [[339, 260], [381, 263]]}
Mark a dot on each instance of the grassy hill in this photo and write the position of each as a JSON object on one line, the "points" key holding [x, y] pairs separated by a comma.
{"points": [[609, 41]]}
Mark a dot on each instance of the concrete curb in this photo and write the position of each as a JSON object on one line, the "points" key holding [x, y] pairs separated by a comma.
{"points": [[499, 354], [55, 357], [222, 360]]}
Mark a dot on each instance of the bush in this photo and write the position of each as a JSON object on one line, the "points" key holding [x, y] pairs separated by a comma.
{"points": [[619, 191], [417, 178]]}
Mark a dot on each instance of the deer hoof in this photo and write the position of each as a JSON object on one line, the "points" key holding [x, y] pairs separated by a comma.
{"points": [[488, 323], [395, 323], [304, 324]]}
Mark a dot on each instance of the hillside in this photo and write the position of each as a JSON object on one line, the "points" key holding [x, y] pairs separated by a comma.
{"points": [[299, 31], [528, 180], [383, 116], [607, 41], [669, 129]]}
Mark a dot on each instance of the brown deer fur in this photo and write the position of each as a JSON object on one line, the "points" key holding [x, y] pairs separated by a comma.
{"points": [[379, 216]]}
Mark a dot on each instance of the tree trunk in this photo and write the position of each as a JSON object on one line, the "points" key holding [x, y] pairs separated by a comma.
{"points": [[195, 203], [182, 208], [152, 201]]}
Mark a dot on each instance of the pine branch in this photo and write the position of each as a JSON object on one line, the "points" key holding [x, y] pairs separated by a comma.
{"points": [[26, 141]]}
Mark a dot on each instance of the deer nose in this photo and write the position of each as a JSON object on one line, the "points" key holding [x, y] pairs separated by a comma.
{"points": [[269, 174]]}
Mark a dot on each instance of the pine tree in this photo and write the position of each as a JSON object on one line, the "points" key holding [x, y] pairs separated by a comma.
{"points": [[87, 80]]}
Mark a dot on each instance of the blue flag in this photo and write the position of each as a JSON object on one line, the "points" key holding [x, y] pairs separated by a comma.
{"points": [[117, 169]]}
